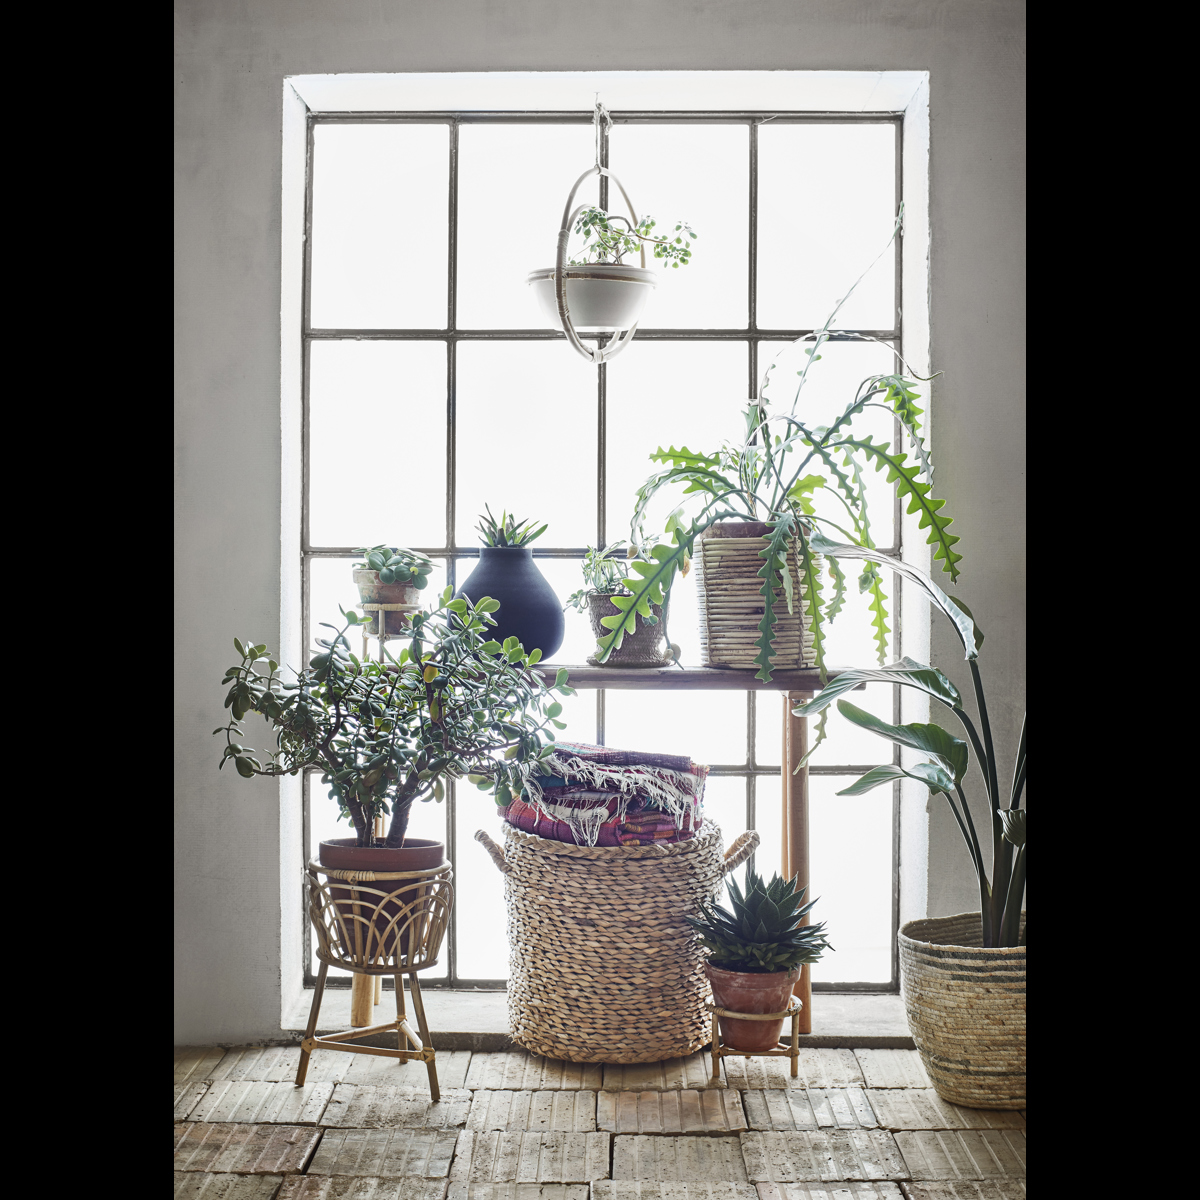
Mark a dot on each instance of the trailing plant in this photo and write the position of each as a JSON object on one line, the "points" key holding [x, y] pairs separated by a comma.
{"points": [[606, 242], [771, 475], [394, 564], [453, 703], [761, 931], [1001, 896], [604, 571], [507, 531]]}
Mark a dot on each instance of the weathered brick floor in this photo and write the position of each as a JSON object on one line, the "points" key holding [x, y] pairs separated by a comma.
{"points": [[856, 1125]]}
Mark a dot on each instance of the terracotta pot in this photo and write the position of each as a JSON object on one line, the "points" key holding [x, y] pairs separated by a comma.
{"points": [[645, 647], [751, 992], [357, 906], [601, 297], [371, 591]]}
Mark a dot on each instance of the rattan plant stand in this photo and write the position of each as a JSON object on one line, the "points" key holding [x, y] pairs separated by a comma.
{"points": [[789, 1049], [602, 965], [378, 923]]}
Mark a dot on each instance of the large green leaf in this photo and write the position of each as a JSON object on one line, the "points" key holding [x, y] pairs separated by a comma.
{"points": [[773, 573], [907, 671], [929, 739], [968, 632], [931, 775]]}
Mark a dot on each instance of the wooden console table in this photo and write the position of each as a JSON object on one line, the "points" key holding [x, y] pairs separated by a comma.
{"points": [[794, 686]]}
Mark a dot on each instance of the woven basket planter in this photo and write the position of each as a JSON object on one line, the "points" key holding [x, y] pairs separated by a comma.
{"points": [[602, 966], [731, 605], [966, 1010], [645, 647]]}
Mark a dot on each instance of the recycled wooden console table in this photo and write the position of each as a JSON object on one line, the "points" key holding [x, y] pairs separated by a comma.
{"points": [[795, 686]]}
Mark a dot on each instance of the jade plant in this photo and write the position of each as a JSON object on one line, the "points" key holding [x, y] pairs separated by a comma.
{"points": [[949, 757], [453, 703], [507, 531], [607, 242], [395, 564], [770, 474], [761, 931]]}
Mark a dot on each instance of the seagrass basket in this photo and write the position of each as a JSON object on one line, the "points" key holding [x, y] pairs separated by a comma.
{"points": [[966, 1010], [731, 604], [602, 966]]}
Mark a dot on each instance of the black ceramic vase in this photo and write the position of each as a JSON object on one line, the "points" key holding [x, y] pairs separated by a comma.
{"points": [[529, 610]]}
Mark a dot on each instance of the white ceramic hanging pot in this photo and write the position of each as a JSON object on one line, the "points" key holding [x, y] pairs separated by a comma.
{"points": [[601, 297]]}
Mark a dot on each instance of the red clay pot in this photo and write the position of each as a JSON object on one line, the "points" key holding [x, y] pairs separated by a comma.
{"points": [[344, 854], [751, 992]]}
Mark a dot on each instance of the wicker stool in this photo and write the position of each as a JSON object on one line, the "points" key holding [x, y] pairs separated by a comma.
{"points": [[602, 965], [392, 928]]}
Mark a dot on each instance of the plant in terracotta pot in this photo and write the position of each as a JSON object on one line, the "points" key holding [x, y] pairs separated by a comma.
{"points": [[454, 702], [603, 574], [755, 951], [391, 575], [964, 975], [527, 609]]}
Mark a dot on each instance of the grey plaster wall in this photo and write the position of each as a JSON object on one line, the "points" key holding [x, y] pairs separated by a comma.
{"points": [[231, 58]]}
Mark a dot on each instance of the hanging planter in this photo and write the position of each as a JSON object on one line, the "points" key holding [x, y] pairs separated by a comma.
{"points": [[600, 298]]}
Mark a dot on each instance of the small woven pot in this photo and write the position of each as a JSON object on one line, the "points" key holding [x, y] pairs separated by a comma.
{"points": [[966, 1010], [645, 647], [602, 965], [728, 559]]}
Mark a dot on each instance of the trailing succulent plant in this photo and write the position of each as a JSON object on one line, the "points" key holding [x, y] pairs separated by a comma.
{"points": [[394, 564], [508, 531], [762, 933], [604, 571]]}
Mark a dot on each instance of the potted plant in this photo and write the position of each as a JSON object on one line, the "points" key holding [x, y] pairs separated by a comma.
{"points": [[755, 950], [528, 608], [603, 575], [756, 521], [390, 575], [603, 292], [387, 734], [963, 976]]}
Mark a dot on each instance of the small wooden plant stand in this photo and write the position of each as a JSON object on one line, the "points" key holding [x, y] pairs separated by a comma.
{"points": [[376, 923], [789, 1049]]}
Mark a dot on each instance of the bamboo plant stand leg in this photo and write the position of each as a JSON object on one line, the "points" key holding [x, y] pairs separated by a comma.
{"points": [[789, 1049], [313, 1013], [423, 1026], [795, 826]]}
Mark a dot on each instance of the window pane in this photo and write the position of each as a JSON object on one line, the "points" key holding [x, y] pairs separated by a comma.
{"points": [[667, 394], [826, 206], [699, 174], [850, 866], [844, 742], [710, 727], [527, 438], [828, 390], [379, 218], [377, 444], [513, 182], [768, 820]]}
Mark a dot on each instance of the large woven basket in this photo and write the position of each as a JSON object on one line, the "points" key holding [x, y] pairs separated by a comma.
{"points": [[966, 1010], [731, 604], [602, 966]]}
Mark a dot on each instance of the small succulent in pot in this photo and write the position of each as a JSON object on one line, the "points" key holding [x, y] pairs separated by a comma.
{"points": [[507, 532], [395, 564]]}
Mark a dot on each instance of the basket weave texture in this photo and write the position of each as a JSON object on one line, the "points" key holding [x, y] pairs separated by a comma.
{"points": [[602, 966], [731, 607], [966, 1010]]}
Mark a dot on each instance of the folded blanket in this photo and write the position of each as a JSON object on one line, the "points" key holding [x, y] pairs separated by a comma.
{"points": [[598, 826]]}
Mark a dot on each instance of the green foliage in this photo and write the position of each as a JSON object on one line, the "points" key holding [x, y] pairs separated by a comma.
{"points": [[453, 703], [604, 571], [949, 758], [507, 531], [606, 242], [394, 564], [761, 930]]}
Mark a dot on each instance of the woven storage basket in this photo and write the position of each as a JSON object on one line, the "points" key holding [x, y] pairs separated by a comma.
{"points": [[602, 966], [731, 605], [966, 1010]]}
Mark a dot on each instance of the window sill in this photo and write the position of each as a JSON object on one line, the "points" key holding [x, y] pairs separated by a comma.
{"points": [[461, 1020]]}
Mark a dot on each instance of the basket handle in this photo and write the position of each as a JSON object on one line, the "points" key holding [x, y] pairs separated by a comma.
{"points": [[741, 850], [494, 850]]}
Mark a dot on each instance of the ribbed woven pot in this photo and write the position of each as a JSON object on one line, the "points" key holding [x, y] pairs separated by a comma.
{"points": [[602, 966], [966, 1010]]}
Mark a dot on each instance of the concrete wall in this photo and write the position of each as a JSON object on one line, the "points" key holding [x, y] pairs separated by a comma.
{"points": [[231, 58]]}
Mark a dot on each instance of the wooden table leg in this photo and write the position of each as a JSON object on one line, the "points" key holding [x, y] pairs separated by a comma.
{"points": [[795, 824], [362, 1000]]}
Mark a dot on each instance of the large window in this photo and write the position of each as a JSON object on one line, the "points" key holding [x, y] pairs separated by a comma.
{"points": [[432, 386]]}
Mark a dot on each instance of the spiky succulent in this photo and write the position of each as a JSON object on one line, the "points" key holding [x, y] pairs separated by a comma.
{"points": [[763, 932]]}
